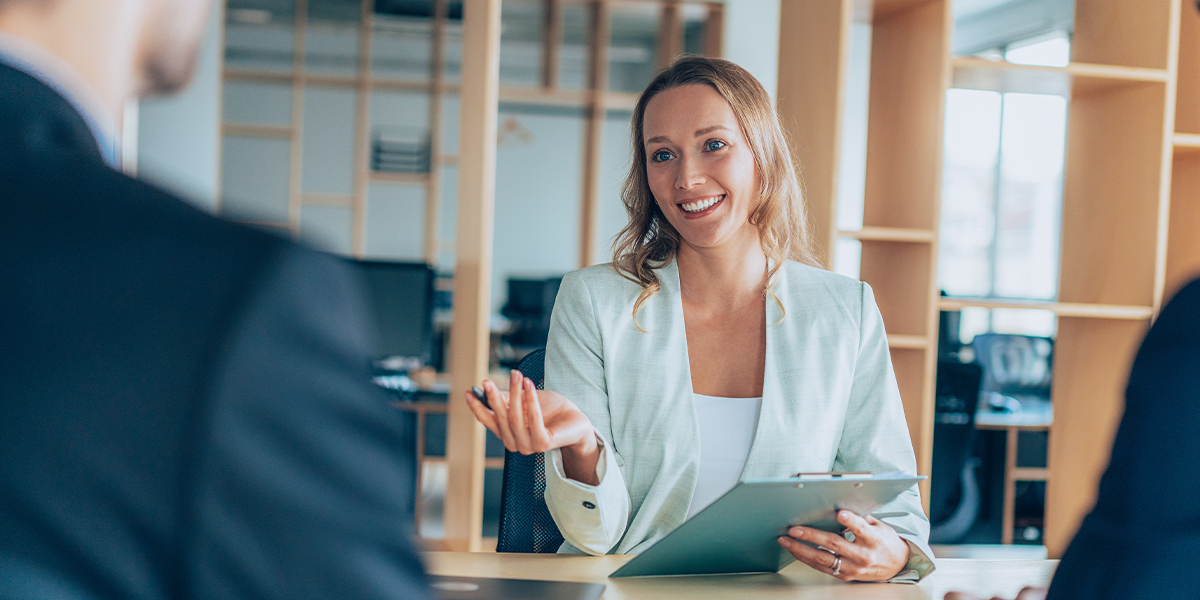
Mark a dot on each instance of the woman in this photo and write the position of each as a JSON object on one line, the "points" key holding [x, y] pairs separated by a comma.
{"points": [[709, 350]]}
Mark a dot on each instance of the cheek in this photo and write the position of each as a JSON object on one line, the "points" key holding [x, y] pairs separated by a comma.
{"points": [[660, 181]]}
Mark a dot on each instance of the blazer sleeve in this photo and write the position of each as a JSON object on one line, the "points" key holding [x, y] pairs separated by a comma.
{"points": [[591, 518], [875, 437], [301, 481]]}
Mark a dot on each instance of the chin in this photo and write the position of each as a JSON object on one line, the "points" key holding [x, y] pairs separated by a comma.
{"points": [[169, 71]]}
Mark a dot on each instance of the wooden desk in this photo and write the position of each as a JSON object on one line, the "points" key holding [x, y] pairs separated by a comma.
{"points": [[984, 578], [1035, 415]]}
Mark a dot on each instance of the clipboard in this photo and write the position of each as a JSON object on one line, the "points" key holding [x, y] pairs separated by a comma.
{"points": [[737, 533]]}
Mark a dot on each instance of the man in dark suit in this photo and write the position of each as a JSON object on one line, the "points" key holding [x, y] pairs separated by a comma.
{"points": [[185, 403], [1142, 539]]}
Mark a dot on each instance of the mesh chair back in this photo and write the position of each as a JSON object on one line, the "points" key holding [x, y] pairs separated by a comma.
{"points": [[525, 522]]}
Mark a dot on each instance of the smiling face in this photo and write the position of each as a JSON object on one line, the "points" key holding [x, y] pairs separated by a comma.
{"points": [[700, 168]]}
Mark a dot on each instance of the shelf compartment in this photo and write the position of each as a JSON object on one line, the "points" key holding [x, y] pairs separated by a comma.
{"points": [[1062, 309], [889, 234], [1076, 78]]}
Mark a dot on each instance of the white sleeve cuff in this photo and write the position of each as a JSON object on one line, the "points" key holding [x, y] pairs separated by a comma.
{"points": [[591, 518]]}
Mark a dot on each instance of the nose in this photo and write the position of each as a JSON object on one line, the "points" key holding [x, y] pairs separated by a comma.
{"points": [[689, 175]]}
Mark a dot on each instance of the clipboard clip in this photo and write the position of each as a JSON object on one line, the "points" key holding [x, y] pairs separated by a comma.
{"points": [[838, 475]]}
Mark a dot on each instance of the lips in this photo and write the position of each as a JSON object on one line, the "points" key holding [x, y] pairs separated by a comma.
{"points": [[701, 204]]}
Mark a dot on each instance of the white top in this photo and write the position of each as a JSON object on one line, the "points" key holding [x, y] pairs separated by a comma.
{"points": [[727, 427]]}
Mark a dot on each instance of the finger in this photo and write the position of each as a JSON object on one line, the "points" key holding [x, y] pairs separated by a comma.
{"points": [[830, 541], [817, 559], [482, 414], [499, 406], [960, 596], [857, 525], [516, 412], [539, 436], [1032, 593]]}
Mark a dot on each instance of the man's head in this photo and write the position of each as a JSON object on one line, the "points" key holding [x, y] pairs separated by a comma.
{"points": [[123, 48]]}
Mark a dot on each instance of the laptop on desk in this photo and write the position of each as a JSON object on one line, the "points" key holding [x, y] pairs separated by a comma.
{"points": [[481, 588]]}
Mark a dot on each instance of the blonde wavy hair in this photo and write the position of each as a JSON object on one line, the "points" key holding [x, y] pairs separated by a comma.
{"points": [[649, 241]]}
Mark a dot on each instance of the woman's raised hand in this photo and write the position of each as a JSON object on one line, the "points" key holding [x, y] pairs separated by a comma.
{"points": [[530, 421]]}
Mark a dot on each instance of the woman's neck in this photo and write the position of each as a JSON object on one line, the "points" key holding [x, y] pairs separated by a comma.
{"points": [[722, 277]]}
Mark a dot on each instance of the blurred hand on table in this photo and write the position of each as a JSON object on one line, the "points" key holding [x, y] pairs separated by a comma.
{"points": [[1029, 593]]}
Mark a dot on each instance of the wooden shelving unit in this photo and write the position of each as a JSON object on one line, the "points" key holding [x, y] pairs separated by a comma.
{"points": [[1132, 176]]}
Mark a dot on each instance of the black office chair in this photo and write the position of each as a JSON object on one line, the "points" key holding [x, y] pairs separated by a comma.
{"points": [[525, 522], [954, 498]]}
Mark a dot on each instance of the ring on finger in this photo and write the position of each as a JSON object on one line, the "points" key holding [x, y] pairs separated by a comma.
{"points": [[837, 565]]}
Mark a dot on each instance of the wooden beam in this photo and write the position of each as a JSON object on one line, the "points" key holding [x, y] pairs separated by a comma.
{"points": [[670, 34], [473, 269], [594, 136], [552, 35], [362, 132], [296, 156], [433, 187], [814, 60], [714, 30]]}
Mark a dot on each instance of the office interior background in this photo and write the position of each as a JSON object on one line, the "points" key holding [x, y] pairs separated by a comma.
{"points": [[1006, 167]]}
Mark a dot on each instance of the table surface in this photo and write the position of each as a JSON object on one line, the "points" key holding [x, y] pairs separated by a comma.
{"points": [[984, 578], [1034, 414]]}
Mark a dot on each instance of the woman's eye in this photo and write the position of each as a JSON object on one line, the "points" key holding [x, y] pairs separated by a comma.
{"points": [[661, 156], [714, 145]]}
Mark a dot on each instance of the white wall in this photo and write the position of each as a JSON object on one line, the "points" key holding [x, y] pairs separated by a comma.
{"points": [[178, 136], [752, 38]]}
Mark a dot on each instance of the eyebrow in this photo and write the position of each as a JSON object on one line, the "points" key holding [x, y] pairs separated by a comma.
{"points": [[699, 132]]}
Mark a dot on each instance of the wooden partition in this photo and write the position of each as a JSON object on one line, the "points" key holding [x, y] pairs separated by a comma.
{"points": [[1131, 199]]}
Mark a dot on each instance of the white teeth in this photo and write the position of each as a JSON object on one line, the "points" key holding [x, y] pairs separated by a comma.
{"points": [[700, 205]]}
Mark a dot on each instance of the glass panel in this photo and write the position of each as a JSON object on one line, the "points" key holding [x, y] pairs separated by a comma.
{"points": [[447, 217], [536, 231], [250, 102], [521, 34], [975, 320], [399, 132], [450, 116], [396, 222], [852, 168], [972, 143], [695, 18], [328, 140], [401, 42], [847, 258], [332, 38], [614, 167], [452, 47], [572, 55], [260, 35], [327, 227], [1033, 146], [631, 57], [254, 178]]}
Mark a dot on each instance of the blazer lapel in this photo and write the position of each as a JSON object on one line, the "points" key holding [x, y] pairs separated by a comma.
{"points": [[765, 458]]}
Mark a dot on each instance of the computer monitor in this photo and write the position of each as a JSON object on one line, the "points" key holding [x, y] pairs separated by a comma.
{"points": [[401, 299]]}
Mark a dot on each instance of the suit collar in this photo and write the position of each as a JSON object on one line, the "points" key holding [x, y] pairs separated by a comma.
{"points": [[64, 80], [38, 123]]}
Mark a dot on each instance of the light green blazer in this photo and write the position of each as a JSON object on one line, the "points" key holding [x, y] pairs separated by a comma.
{"points": [[830, 403]]}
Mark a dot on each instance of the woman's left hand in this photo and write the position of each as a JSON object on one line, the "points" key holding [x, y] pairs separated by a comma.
{"points": [[876, 554]]}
